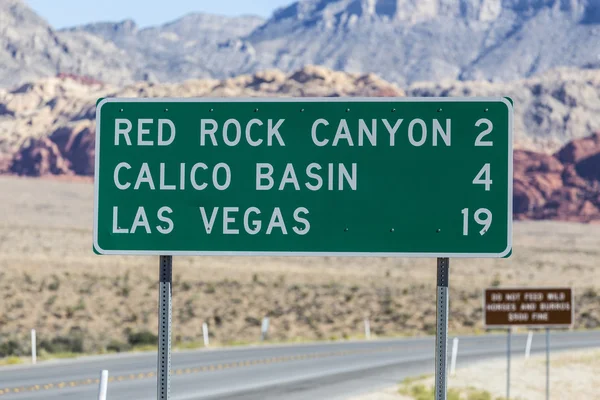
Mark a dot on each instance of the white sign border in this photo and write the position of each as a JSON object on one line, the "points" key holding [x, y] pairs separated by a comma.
{"points": [[504, 100]]}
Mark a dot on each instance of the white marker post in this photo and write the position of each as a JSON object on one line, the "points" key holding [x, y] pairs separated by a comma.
{"points": [[33, 347], [103, 388], [528, 345], [264, 328], [367, 329], [454, 355], [205, 334]]}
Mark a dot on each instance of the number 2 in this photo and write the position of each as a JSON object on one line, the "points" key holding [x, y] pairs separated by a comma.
{"points": [[490, 126]]}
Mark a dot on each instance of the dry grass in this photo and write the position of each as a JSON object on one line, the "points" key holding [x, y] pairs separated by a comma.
{"points": [[51, 280], [421, 392]]}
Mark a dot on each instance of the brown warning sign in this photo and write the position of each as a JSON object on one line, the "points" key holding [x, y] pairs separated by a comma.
{"points": [[536, 307]]}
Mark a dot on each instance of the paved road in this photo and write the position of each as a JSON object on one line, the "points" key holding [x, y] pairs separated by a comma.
{"points": [[307, 371]]}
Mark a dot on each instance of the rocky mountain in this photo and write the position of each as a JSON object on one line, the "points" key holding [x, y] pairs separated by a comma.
{"points": [[430, 40], [31, 49], [404, 41], [550, 109], [194, 46]]}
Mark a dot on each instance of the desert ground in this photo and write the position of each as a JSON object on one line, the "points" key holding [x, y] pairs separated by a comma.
{"points": [[51, 280], [573, 375]]}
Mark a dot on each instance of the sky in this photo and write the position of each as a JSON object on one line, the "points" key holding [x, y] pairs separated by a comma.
{"points": [[65, 13]]}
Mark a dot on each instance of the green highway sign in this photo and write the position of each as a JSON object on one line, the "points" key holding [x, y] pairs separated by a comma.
{"points": [[412, 177]]}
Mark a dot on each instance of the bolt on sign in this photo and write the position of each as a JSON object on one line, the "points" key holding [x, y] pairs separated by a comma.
{"points": [[530, 307], [415, 177]]}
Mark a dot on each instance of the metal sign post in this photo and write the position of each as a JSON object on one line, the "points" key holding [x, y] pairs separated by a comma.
{"points": [[547, 363], [508, 349], [441, 333], [164, 327]]}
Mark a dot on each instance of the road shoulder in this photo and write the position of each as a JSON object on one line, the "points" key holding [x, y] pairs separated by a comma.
{"points": [[573, 375]]}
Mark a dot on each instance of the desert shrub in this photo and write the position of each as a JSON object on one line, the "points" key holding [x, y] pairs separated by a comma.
{"points": [[10, 348], [55, 284], [590, 293], [142, 338], [210, 288], [117, 346], [73, 343], [252, 321], [496, 281]]}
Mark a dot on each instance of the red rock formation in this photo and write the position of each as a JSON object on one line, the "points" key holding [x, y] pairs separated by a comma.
{"points": [[5, 164], [86, 80], [579, 150], [536, 177], [565, 186], [76, 144], [39, 157]]}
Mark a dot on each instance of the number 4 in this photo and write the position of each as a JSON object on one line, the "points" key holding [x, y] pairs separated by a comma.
{"points": [[483, 177]]}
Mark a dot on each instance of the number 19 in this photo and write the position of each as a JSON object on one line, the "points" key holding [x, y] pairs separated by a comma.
{"points": [[485, 222]]}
